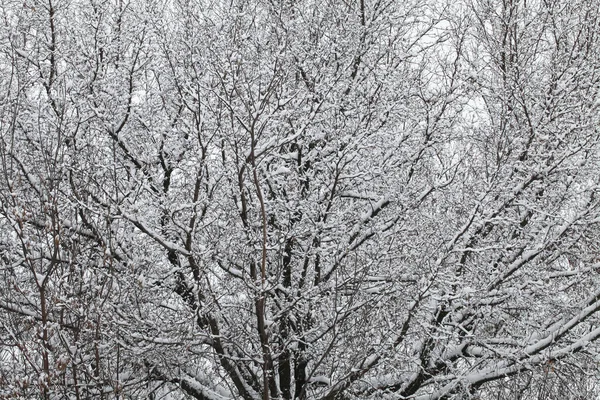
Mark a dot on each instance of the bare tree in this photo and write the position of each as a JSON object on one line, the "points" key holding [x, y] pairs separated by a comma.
{"points": [[297, 200]]}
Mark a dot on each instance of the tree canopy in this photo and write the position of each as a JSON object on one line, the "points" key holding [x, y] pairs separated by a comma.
{"points": [[276, 199]]}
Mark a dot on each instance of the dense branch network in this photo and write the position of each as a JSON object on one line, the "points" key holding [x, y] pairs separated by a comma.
{"points": [[299, 200]]}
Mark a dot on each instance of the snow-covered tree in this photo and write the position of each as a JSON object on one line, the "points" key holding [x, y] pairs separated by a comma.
{"points": [[274, 199]]}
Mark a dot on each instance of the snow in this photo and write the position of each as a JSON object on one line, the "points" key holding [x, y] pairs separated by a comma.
{"points": [[320, 380], [200, 391]]}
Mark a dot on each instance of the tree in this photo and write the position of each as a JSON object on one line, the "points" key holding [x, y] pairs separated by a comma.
{"points": [[298, 200]]}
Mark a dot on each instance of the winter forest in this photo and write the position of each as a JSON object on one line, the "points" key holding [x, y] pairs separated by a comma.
{"points": [[300, 199]]}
